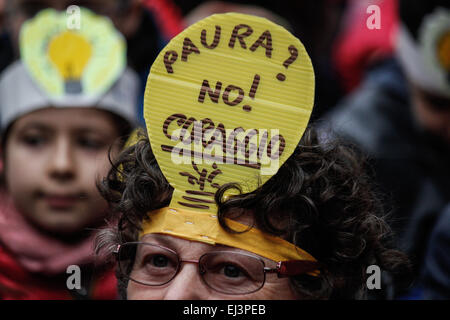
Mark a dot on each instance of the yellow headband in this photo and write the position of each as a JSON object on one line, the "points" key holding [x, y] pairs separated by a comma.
{"points": [[204, 227]]}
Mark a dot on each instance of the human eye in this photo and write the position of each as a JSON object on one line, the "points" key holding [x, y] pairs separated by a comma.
{"points": [[158, 261], [227, 276], [154, 265], [232, 271], [91, 143], [228, 271], [34, 139], [232, 268]]}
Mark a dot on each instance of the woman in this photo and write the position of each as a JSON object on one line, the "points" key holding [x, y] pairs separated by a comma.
{"points": [[321, 200]]}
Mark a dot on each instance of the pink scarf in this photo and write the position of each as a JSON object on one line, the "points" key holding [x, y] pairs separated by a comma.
{"points": [[36, 251]]}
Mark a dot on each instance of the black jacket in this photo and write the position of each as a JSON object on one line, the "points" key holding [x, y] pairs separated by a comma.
{"points": [[411, 166]]}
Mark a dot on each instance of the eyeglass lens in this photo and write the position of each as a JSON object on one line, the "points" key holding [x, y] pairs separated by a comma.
{"points": [[224, 271]]}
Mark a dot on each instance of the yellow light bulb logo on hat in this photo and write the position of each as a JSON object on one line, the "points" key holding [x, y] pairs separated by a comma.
{"points": [[82, 63], [70, 53]]}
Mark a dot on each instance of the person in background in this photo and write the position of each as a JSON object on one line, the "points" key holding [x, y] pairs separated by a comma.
{"points": [[62, 112], [6, 54], [400, 116], [357, 46], [135, 19], [147, 26], [316, 22], [436, 274]]}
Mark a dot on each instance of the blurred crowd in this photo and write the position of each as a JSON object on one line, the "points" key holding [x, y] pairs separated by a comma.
{"points": [[386, 90]]}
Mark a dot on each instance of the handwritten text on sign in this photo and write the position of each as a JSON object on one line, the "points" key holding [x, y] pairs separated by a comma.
{"points": [[239, 35], [200, 140], [230, 96]]}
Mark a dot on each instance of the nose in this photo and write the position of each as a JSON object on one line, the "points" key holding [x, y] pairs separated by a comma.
{"points": [[187, 285], [61, 162]]}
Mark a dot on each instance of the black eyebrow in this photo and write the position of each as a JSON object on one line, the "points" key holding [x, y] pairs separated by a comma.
{"points": [[89, 130], [36, 125], [48, 129]]}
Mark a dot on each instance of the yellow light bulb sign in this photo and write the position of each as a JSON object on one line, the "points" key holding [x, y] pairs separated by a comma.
{"points": [[84, 62], [227, 100], [70, 53]]}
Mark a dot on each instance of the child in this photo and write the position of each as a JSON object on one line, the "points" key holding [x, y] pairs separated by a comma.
{"points": [[64, 106], [211, 209]]}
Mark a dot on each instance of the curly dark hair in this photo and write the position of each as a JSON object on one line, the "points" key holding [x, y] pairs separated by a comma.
{"points": [[322, 194]]}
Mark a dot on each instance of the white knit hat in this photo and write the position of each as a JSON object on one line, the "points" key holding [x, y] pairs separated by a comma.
{"points": [[19, 95]]}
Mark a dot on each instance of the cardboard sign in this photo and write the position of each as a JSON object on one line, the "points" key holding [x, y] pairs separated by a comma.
{"points": [[227, 100]]}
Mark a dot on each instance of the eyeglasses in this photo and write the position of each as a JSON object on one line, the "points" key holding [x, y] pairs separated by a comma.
{"points": [[228, 272]]}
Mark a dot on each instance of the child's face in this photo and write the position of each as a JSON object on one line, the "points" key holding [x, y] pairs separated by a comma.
{"points": [[53, 158]]}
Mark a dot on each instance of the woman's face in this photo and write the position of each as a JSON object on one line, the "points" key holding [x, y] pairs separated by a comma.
{"points": [[53, 158], [188, 284]]}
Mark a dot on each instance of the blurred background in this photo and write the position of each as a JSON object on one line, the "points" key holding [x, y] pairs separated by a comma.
{"points": [[368, 92], [334, 32]]}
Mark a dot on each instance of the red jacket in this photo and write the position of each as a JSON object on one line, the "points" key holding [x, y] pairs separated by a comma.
{"points": [[16, 283], [33, 264]]}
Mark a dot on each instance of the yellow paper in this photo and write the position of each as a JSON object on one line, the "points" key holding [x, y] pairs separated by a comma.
{"points": [[227, 100], [239, 78]]}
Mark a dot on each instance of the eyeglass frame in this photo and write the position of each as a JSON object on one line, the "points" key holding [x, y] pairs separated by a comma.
{"points": [[283, 269]]}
